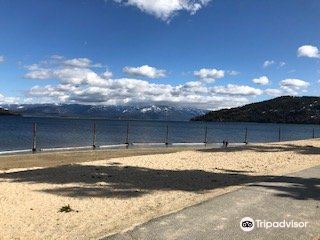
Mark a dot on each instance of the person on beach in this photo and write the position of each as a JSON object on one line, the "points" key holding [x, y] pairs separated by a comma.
{"points": [[225, 143]]}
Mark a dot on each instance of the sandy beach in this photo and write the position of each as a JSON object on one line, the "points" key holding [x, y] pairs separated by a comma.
{"points": [[111, 194]]}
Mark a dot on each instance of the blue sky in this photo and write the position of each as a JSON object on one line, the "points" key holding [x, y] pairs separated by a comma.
{"points": [[201, 53]]}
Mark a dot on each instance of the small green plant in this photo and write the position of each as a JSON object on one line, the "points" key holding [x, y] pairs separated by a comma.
{"points": [[66, 209]]}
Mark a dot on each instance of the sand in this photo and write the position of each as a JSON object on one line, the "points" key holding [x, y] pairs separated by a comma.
{"points": [[111, 195]]}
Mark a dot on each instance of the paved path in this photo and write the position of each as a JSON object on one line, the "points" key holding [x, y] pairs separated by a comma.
{"points": [[293, 197]]}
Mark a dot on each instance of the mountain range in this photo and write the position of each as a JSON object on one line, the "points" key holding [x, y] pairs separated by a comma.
{"points": [[4, 111], [286, 109], [150, 112]]}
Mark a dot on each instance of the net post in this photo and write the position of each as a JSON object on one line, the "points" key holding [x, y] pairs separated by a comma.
{"points": [[94, 136], [167, 136], [127, 135], [206, 135], [34, 137], [246, 136], [279, 134]]}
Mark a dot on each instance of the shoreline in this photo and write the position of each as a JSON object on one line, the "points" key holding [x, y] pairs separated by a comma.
{"points": [[57, 158], [53, 159]]}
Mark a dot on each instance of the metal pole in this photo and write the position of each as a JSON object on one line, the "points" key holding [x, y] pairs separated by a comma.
{"points": [[94, 135], [313, 133], [279, 134], [34, 138], [246, 136], [167, 136], [127, 137], [206, 135]]}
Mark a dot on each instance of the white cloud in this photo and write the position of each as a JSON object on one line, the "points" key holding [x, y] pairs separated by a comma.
{"points": [[264, 80], [37, 72], [78, 62], [70, 71], [293, 86], [86, 86], [1, 59], [145, 71], [268, 63], [273, 92], [209, 74], [126, 91], [8, 100], [295, 83], [239, 90], [308, 51], [289, 91], [233, 73], [107, 74], [288, 87], [165, 9], [67, 75]]}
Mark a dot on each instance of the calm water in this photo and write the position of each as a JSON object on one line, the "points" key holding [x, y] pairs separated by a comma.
{"points": [[16, 132]]}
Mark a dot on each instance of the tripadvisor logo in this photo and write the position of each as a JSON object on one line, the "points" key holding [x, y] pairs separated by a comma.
{"points": [[247, 224]]}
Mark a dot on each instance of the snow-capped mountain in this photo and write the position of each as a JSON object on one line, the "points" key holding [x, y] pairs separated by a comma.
{"points": [[151, 112]]}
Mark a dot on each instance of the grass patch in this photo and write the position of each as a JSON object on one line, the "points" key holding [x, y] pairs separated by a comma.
{"points": [[66, 209]]}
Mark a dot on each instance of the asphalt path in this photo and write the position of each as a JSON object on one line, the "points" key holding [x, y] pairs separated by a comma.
{"points": [[287, 200]]}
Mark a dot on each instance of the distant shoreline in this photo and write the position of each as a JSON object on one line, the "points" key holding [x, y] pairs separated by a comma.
{"points": [[10, 114], [152, 120]]}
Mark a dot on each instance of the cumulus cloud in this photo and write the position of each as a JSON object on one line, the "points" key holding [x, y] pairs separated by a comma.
{"points": [[133, 91], [239, 90], [268, 63], [67, 71], [165, 9], [107, 74], [145, 71], [308, 51], [67, 75], [295, 83], [1, 59], [85, 86], [37, 72], [8, 100], [288, 87], [78, 62], [264, 80], [293, 86], [209, 74], [273, 92]]}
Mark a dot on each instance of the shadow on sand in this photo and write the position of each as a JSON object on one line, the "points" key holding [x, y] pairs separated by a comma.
{"points": [[306, 149], [117, 181]]}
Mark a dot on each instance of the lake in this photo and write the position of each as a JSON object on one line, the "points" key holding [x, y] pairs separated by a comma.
{"points": [[16, 132]]}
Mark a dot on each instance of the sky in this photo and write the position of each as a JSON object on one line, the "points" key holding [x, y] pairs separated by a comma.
{"points": [[207, 54]]}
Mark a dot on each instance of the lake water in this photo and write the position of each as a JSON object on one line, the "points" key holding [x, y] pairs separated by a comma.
{"points": [[16, 132]]}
